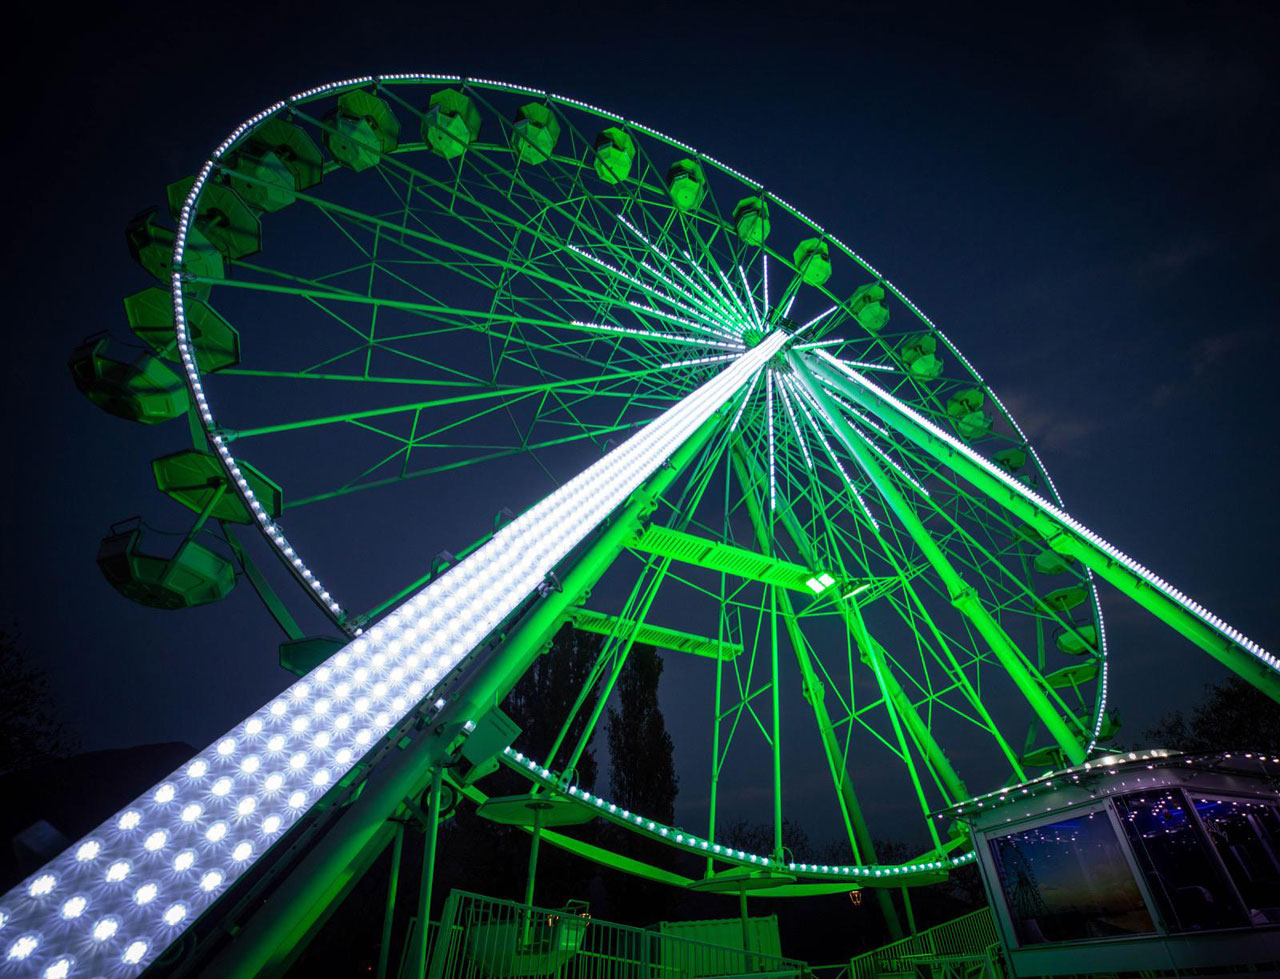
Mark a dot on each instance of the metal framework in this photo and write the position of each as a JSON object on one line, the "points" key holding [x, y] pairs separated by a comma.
{"points": [[696, 395]]}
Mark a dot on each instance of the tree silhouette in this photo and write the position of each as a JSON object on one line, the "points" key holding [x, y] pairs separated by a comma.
{"points": [[30, 729], [1234, 715], [544, 696], [643, 774]]}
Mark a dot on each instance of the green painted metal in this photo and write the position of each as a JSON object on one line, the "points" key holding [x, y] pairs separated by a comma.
{"points": [[192, 477], [418, 947], [266, 594], [291, 145], [751, 220], [813, 260], [151, 245], [535, 133], [558, 264], [389, 907], [867, 306], [1020, 669], [150, 316], [1089, 551], [262, 180], [143, 389], [687, 184], [615, 154], [361, 129], [193, 576], [450, 124], [652, 635], [229, 224], [859, 836], [920, 355], [304, 898], [302, 655], [718, 556]]}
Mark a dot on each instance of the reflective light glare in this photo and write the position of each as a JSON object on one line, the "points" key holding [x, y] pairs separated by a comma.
{"points": [[105, 928], [386, 672], [23, 947], [73, 907], [42, 885], [88, 850], [59, 969]]}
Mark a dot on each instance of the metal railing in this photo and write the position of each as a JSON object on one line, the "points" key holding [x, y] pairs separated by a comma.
{"points": [[487, 938], [967, 946]]}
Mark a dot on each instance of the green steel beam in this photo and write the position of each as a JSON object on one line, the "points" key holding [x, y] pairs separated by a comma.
{"points": [[815, 694], [716, 556], [304, 898], [963, 595], [1060, 531], [654, 635]]}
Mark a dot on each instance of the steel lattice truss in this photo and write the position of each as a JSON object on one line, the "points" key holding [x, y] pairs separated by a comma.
{"points": [[803, 482]]}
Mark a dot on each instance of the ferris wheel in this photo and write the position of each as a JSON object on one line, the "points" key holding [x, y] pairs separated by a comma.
{"points": [[392, 307]]}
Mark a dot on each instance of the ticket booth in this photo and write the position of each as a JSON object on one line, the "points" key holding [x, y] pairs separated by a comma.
{"points": [[1143, 863]]}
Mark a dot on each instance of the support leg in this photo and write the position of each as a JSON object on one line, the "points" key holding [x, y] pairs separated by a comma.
{"points": [[418, 954], [389, 912]]}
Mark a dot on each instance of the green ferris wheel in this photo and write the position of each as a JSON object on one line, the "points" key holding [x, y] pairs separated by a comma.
{"points": [[399, 301]]}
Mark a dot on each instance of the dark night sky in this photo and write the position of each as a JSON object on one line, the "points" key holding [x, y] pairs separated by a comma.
{"points": [[1086, 202]]}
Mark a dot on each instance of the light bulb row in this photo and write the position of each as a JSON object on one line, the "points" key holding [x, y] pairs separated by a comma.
{"points": [[1199, 611], [661, 832], [189, 839]]}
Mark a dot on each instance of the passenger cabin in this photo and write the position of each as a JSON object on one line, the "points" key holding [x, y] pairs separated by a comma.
{"points": [[1141, 863]]}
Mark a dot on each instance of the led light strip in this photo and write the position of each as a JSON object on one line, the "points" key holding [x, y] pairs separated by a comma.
{"points": [[690, 841], [802, 395], [116, 899], [709, 325], [654, 335], [768, 411], [1199, 611], [786, 402], [716, 302]]}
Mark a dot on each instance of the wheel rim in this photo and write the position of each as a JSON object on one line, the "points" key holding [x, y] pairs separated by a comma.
{"points": [[622, 294]]}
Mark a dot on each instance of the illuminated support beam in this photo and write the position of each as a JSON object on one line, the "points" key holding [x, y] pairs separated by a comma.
{"points": [[654, 635], [735, 561], [1061, 531], [963, 596], [152, 869], [859, 835]]}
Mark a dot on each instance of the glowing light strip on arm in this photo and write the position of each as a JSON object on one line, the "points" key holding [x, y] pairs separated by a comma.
{"points": [[1199, 611], [116, 899]]}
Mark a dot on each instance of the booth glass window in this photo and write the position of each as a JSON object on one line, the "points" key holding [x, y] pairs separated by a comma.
{"points": [[1178, 861], [1069, 881], [1246, 834]]}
